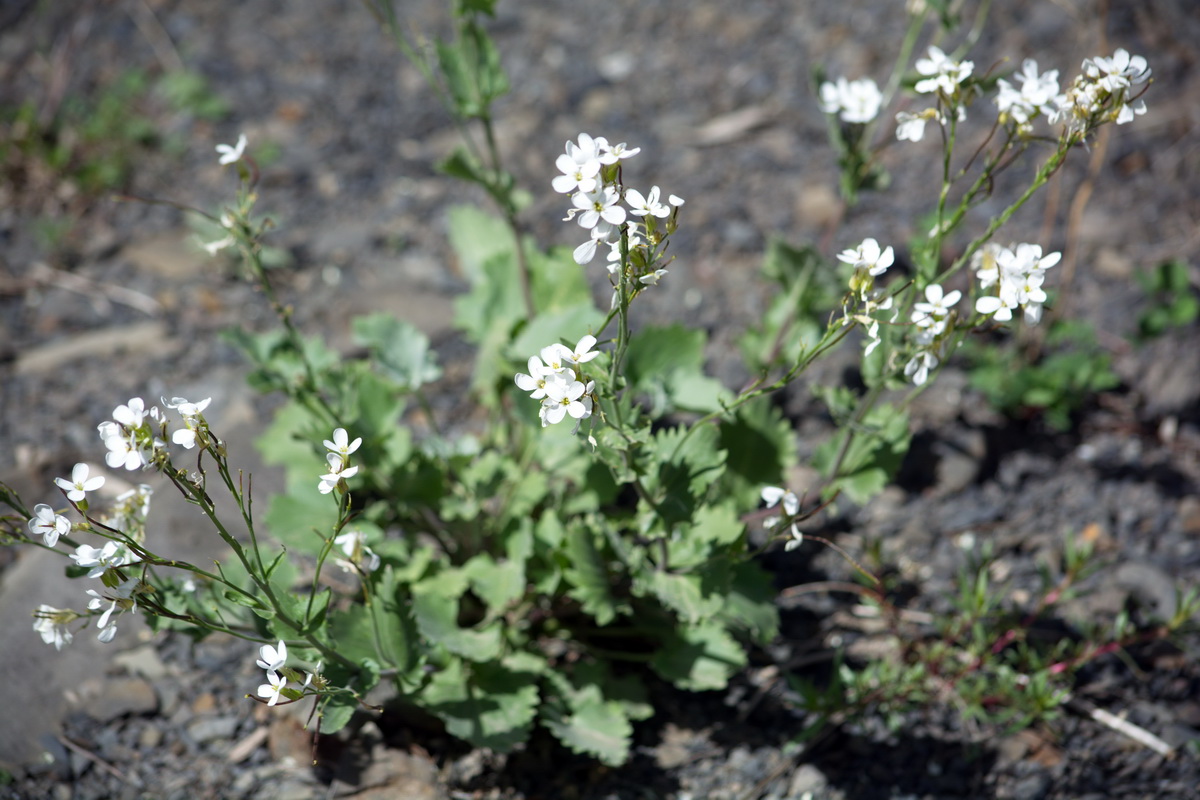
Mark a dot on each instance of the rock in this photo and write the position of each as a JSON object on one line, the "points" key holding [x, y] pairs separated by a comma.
{"points": [[107, 700], [393, 773], [208, 729], [143, 661], [807, 779]]}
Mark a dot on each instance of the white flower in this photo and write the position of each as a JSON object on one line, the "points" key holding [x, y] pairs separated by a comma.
{"points": [[932, 313], [583, 351], [1018, 274], [272, 690], [565, 395], [358, 555], [854, 101], [944, 74], [129, 511], [535, 381], [579, 166], [337, 472], [193, 420], [53, 625], [48, 525], [676, 201], [869, 262], [911, 127], [599, 205], [79, 484], [119, 596], [652, 278], [272, 658], [232, 154], [618, 152], [868, 257], [1121, 71], [111, 555], [131, 414], [771, 495], [646, 206], [1036, 95], [212, 248], [558, 357], [918, 368], [341, 443]]}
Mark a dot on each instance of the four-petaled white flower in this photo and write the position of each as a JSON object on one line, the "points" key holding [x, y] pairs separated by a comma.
{"points": [[120, 596], [583, 351], [648, 205], [599, 205], [272, 658], [535, 381], [579, 167], [934, 312], [772, 495], [917, 369], [53, 625], [79, 484], [231, 154], [944, 74], [854, 101], [869, 262], [193, 420], [911, 127], [565, 395], [272, 690], [337, 472], [358, 555], [101, 559], [48, 525], [615, 153], [341, 443]]}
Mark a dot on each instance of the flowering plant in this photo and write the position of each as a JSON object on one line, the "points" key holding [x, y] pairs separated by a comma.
{"points": [[520, 572]]}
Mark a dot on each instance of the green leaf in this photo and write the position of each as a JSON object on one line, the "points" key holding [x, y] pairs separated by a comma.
{"points": [[337, 711], [683, 594], [588, 575], [301, 520], [873, 456], [391, 638], [761, 447], [658, 350], [489, 705], [437, 619], [750, 603], [401, 351], [497, 584], [597, 728], [679, 469], [699, 658]]}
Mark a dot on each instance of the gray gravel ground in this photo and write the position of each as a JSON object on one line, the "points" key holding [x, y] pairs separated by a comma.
{"points": [[718, 96]]}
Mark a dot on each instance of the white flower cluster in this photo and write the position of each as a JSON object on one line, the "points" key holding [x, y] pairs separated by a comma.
{"points": [[869, 262], [1037, 95], [589, 176], [134, 439], [934, 322], [856, 102], [772, 495], [338, 461], [556, 378], [943, 75], [273, 659], [1017, 273], [1103, 92]]}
